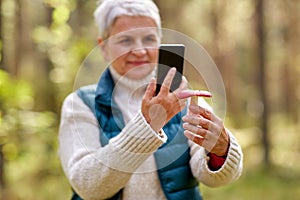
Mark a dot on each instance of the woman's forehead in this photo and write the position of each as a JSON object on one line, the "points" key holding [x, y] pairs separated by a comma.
{"points": [[137, 32], [132, 25]]}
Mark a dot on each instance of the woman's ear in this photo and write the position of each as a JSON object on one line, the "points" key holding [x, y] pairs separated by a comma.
{"points": [[99, 40], [102, 45]]}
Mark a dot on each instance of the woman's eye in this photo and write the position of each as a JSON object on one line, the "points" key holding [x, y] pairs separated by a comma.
{"points": [[150, 39], [125, 41]]}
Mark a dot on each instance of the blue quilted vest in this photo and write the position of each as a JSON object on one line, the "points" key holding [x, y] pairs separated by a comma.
{"points": [[175, 175]]}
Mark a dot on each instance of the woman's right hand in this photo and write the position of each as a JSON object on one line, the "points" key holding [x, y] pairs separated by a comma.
{"points": [[159, 109]]}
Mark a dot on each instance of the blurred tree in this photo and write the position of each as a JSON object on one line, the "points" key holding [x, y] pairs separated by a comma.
{"points": [[223, 53], [8, 29], [45, 90], [23, 43], [262, 79], [1, 37], [291, 50], [1, 67], [1, 168], [171, 12]]}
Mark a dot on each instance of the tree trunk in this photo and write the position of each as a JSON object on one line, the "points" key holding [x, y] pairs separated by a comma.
{"points": [[291, 40], [2, 184], [171, 12], [1, 67], [8, 40], [1, 37], [262, 86]]}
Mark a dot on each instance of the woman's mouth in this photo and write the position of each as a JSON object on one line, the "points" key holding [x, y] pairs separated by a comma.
{"points": [[137, 63]]}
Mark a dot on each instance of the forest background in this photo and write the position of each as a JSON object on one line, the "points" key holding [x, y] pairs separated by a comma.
{"points": [[254, 43]]}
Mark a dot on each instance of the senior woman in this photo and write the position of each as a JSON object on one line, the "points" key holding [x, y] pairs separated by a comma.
{"points": [[118, 140]]}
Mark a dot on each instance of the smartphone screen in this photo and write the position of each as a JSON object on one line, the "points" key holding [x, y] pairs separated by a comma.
{"points": [[170, 55]]}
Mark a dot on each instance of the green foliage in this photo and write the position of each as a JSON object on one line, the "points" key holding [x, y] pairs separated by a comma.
{"points": [[14, 93], [28, 141], [61, 15], [28, 137]]}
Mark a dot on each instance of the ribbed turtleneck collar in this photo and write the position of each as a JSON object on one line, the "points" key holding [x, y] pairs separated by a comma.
{"points": [[130, 84]]}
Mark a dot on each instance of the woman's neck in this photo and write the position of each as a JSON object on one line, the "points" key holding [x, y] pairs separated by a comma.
{"points": [[130, 84]]}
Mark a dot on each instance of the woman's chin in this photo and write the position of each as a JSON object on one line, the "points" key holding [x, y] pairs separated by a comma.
{"points": [[139, 72], [136, 75]]}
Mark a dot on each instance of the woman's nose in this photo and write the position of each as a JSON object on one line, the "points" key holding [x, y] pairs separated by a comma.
{"points": [[139, 48], [140, 51]]}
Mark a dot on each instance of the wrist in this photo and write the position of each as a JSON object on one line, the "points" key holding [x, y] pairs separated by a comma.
{"points": [[216, 162]]}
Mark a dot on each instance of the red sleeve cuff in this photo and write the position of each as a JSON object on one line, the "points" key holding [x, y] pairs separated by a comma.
{"points": [[215, 162]]}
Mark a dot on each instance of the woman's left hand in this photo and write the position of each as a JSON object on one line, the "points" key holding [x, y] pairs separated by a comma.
{"points": [[206, 129]]}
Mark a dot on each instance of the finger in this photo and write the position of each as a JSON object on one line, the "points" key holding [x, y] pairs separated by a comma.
{"points": [[185, 94], [195, 120], [190, 93], [205, 123], [202, 141], [191, 119], [150, 91], [217, 123], [195, 138], [197, 130], [201, 111], [166, 85], [194, 101]]}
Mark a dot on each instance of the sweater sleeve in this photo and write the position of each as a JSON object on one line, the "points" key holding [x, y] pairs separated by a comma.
{"points": [[227, 173], [97, 172]]}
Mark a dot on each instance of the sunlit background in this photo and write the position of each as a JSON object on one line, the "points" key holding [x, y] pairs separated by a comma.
{"points": [[255, 44]]}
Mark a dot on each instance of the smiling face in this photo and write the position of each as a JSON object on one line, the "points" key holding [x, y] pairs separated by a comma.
{"points": [[132, 46]]}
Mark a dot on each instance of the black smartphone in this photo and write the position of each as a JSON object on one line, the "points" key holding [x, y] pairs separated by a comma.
{"points": [[170, 55]]}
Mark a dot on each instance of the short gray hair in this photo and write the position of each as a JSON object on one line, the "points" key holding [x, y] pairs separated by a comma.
{"points": [[108, 10]]}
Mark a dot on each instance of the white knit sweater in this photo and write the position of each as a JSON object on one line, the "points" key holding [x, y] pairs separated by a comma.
{"points": [[127, 162]]}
